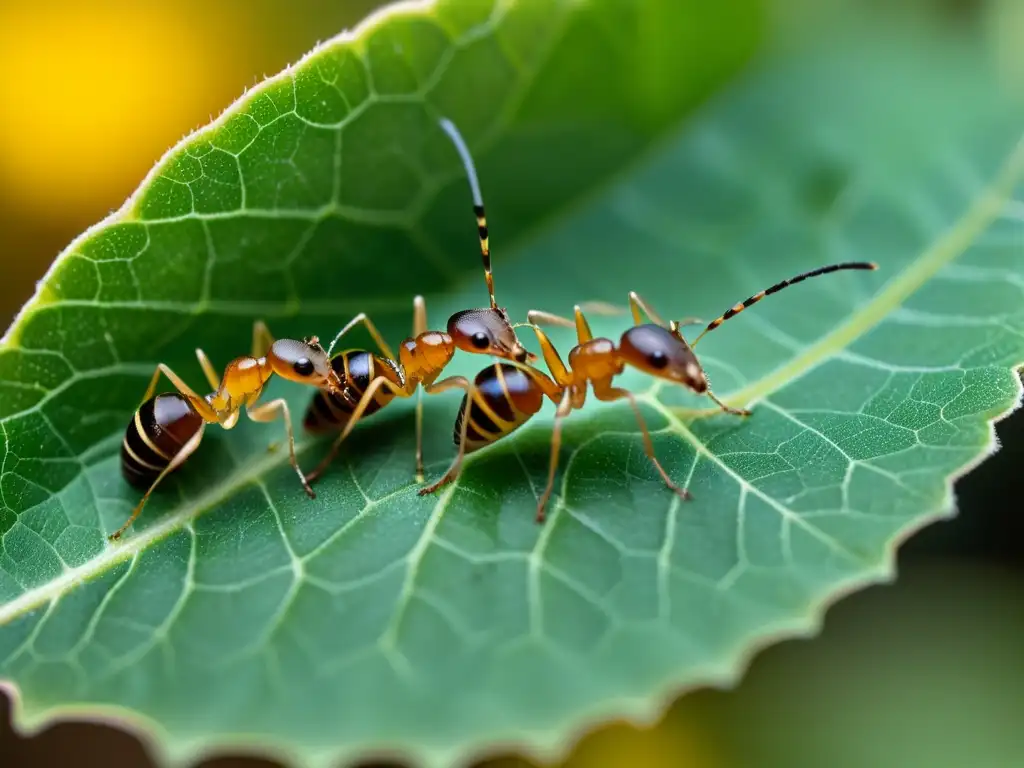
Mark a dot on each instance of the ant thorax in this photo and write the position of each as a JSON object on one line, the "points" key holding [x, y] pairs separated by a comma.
{"points": [[424, 357], [243, 378], [594, 360]]}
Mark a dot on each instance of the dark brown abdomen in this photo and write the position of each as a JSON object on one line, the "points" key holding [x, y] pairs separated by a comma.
{"points": [[356, 368], [157, 431], [512, 396]]}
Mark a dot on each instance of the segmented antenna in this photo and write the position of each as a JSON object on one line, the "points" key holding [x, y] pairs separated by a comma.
{"points": [[478, 203], [737, 308]]}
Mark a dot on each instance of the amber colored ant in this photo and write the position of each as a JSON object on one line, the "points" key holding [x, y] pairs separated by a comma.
{"points": [[167, 429], [372, 381], [505, 396]]}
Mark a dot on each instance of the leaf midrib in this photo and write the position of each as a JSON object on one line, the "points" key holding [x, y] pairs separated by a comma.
{"points": [[947, 247]]}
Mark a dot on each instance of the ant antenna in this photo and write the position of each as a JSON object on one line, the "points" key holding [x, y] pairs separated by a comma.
{"points": [[478, 202], [737, 308]]}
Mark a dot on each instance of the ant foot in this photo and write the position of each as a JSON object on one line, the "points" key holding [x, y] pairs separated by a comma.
{"points": [[431, 488]]}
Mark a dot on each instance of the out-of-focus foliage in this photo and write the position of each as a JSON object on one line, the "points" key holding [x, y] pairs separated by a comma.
{"points": [[103, 88], [381, 604]]}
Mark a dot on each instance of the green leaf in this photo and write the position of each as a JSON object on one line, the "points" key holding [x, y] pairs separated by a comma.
{"points": [[239, 611]]}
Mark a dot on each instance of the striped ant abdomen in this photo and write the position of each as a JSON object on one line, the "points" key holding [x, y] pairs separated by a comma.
{"points": [[505, 398], [329, 412], [156, 434]]}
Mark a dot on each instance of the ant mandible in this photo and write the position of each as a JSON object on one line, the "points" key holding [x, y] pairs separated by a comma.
{"points": [[505, 396], [372, 381], [167, 428]]}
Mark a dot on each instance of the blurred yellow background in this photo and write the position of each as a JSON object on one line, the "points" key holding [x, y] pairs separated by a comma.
{"points": [[920, 674], [94, 93]]}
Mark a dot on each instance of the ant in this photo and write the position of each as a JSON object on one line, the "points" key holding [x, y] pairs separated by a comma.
{"points": [[372, 381], [505, 396], [167, 428]]}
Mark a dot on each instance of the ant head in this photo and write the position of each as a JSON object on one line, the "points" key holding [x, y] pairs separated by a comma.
{"points": [[487, 332], [303, 361], [664, 353]]}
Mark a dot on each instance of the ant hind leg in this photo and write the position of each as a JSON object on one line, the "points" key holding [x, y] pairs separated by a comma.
{"points": [[179, 458], [453, 382]]}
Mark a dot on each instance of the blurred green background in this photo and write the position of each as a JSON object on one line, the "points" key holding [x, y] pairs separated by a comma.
{"points": [[928, 672]]}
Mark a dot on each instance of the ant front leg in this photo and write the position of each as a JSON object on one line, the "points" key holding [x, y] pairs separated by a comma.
{"points": [[378, 338], [604, 391], [269, 412]]}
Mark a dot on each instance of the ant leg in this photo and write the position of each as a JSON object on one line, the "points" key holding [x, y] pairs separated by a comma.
{"points": [[419, 325], [360, 409], [540, 317], [608, 393], [637, 304], [724, 407], [453, 382], [563, 410], [202, 407], [208, 370], [269, 412], [583, 332], [262, 339], [179, 458], [420, 471], [601, 308], [561, 374], [688, 321], [374, 333], [419, 316]]}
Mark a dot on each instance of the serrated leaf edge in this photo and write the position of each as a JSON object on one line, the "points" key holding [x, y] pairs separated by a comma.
{"points": [[556, 742]]}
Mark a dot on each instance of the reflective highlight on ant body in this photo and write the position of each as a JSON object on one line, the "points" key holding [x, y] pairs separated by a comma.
{"points": [[167, 428], [505, 396]]}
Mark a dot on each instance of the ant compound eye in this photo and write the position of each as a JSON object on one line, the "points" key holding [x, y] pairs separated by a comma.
{"points": [[657, 359], [480, 340], [304, 366]]}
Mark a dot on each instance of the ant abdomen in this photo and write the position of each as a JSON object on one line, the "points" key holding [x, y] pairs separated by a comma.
{"points": [[156, 434], [356, 368], [509, 393]]}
